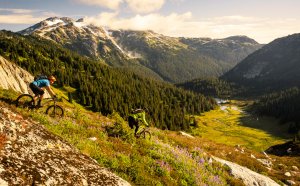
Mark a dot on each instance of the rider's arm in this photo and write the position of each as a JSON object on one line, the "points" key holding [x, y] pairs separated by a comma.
{"points": [[50, 91], [144, 119]]}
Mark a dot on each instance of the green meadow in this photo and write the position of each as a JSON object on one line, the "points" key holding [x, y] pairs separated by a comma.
{"points": [[231, 124]]}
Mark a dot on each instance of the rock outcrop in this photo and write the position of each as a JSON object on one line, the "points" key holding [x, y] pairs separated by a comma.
{"points": [[249, 177], [30, 155], [14, 77], [290, 148]]}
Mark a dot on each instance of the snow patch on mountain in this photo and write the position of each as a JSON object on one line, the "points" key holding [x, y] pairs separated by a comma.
{"points": [[114, 42], [53, 22], [79, 24]]}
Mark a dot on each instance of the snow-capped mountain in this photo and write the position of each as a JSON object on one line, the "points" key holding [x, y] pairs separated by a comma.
{"points": [[172, 59], [86, 39]]}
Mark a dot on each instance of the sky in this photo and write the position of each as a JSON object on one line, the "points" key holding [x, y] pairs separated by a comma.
{"points": [[262, 20]]}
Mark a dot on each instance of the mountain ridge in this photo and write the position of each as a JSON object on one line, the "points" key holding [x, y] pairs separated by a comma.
{"points": [[171, 58], [275, 66]]}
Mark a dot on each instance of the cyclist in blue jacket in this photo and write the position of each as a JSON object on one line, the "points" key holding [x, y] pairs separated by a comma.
{"points": [[38, 86]]}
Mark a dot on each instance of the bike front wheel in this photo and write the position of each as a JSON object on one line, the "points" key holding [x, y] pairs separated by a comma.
{"points": [[25, 101], [146, 135], [55, 111]]}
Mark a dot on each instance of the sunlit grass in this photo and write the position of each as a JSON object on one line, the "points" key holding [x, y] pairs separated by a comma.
{"points": [[230, 124]]}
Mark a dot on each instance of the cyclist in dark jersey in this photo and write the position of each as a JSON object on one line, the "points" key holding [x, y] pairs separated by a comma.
{"points": [[38, 87], [135, 118]]}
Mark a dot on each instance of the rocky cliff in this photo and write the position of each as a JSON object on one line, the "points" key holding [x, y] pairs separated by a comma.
{"points": [[14, 77], [30, 155]]}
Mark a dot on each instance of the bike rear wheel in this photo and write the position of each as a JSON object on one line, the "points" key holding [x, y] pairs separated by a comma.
{"points": [[55, 111], [25, 101]]}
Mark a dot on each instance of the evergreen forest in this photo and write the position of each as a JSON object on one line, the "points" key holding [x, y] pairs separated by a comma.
{"points": [[209, 86], [284, 105], [101, 88]]}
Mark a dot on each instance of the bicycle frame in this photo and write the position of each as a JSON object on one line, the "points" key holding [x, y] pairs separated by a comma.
{"points": [[143, 131], [49, 100], [32, 105]]}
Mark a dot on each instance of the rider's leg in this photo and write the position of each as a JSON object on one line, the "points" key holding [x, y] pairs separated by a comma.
{"points": [[136, 129], [139, 129], [38, 92], [40, 100], [36, 96]]}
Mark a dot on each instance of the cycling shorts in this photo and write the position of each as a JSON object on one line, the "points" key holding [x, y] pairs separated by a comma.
{"points": [[36, 90]]}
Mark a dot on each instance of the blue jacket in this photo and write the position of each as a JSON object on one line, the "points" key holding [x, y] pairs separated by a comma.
{"points": [[42, 83]]}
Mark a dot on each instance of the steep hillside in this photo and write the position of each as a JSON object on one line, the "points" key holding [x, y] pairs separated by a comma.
{"points": [[146, 52], [102, 88], [273, 67]]}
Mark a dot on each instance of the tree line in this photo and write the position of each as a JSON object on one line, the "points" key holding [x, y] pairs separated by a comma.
{"points": [[101, 88], [209, 86], [284, 105]]}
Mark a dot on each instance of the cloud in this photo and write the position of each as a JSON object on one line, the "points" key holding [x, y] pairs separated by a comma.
{"points": [[141, 22], [111, 4], [17, 11], [23, 16], [138, 6], [145, 6], [20, 19], [262, 30]]}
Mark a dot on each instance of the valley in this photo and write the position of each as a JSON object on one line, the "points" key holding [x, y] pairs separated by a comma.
{"points": [[233, 125]]}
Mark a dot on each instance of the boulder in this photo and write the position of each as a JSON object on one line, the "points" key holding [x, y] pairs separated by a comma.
{"points": [[291, 148]]}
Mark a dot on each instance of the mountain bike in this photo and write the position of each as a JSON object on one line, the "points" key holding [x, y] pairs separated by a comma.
{"points": [[27, 101], [144, 133]]}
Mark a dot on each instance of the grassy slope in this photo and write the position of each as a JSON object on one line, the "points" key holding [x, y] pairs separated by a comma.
{"points": [[168, 158], [141, 162]]}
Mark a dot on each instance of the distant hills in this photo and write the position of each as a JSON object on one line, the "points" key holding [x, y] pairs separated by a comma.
{"points": [[275, 66], [146, 52]]}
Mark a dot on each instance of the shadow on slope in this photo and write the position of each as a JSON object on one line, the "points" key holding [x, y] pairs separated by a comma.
{"points": [[267, 124]]}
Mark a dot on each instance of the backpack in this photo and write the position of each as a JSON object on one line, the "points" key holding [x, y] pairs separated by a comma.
{"points": [[39, 77]]}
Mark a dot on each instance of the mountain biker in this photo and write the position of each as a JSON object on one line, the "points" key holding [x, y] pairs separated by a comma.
{"points": [[38, 86], [136, 117]]}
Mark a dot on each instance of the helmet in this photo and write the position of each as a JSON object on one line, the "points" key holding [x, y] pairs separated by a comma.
{"points": [[52, 78]]}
